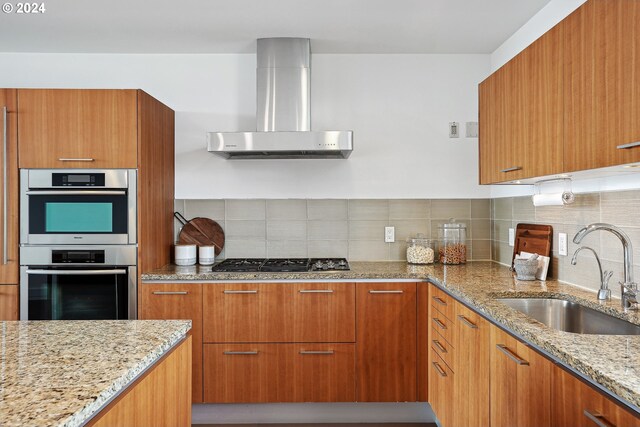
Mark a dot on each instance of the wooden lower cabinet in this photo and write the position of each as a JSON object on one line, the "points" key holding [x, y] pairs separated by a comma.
{"points": [[577, 404], [160, 398], [471, 362], [9, 302], [267, 373], [520, 383], [177, 301], [386, 342], [441, 391]]}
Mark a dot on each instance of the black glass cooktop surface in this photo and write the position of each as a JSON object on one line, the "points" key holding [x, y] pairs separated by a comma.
{"points": [[281, 265]]}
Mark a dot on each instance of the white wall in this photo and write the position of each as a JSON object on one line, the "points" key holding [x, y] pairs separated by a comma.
{"points": [[397, 105]]}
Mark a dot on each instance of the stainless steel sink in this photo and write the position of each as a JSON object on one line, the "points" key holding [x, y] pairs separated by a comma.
{"points": [[572, 317]]}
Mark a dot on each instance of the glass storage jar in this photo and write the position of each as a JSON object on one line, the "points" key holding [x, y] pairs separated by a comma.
{"points": [[452, 242], [420, 250]]}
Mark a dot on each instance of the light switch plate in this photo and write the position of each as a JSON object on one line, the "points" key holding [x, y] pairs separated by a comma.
{"points": [[512, 237], [471, 129], [389, 234], [562, 244]]}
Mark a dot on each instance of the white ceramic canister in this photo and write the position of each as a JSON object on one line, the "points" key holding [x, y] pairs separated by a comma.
{"points": [[206, 255], [185, 254]]}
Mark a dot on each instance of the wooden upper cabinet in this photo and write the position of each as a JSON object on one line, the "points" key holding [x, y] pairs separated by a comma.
{"points": [[10, 189], [279, 312], [471, 367], [178, 301], [386, 342], [576, 404], [520, 383], [601, 90], [77, 128]]}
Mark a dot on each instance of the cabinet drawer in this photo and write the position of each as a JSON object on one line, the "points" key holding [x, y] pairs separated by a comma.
{"points": [[441, 347], [442, 302], [279, 312], [261, 373], [441, 391], [443, 326]]}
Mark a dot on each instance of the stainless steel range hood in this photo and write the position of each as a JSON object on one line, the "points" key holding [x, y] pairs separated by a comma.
{"points": [[284, 111]]}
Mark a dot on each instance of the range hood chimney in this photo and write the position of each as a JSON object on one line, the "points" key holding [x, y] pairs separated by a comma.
{"points": [[283, 111]]}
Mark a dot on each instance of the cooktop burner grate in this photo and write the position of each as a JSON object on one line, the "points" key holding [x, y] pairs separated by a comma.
{"points": [[281, 265]]}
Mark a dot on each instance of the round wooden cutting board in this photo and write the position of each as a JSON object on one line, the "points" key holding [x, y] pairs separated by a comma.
{"points": [[202, 232]]}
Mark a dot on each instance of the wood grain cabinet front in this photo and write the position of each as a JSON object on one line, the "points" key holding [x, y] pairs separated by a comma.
{"points": [[78, 128], [178, 301], [279, 312], [386, 342], [441, 391], [577, 404], [9, 298], [268, 373]]}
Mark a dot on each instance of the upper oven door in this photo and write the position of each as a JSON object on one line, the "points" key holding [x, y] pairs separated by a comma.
{"points": [[71, 210]]}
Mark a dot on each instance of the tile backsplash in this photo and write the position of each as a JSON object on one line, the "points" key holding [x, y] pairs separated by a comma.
{"points": [[620, 208], [338, 227]]}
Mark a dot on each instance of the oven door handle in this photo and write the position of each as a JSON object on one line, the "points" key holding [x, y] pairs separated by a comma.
{"points": [[76, 193], [115, 271]]}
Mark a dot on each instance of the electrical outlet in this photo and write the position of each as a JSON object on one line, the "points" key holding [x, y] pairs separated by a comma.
{"points": [[512, 237], [562, 244], [389, 234], [454, 130]]}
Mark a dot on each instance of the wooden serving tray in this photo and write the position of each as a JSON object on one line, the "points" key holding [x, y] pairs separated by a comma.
{"points": [[533, 238]]}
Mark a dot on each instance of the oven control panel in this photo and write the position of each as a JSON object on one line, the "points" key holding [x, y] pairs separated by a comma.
{"points": [[77, 256], [77, 179]]}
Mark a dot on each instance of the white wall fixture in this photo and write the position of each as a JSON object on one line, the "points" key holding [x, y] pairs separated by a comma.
{"points": [[454, 130], [553, 192], [471, 129]]}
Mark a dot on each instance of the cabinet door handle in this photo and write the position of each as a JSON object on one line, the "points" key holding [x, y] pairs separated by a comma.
{"points": [[467, 322], [328, 352], [506, 350], [5, 137], [316, 291], [385, 292], [512, 169], [627, 146], [439, 323], [240, 353], [440, 346], [439, 369], [239, 292], [439, 300], [70, 159], [598, 419], [170, 292]]}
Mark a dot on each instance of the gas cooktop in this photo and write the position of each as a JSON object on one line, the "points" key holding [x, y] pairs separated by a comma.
{"points": [[281, 265]]}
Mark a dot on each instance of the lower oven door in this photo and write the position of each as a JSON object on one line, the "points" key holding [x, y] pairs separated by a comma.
{"points": [[76, 293]]}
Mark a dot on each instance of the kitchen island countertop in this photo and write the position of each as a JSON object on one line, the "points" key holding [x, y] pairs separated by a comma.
{"points": [[62, 373], [610, 361]]}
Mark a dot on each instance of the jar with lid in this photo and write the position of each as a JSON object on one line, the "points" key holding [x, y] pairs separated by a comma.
{"points": [[452, 244], [420, 250]]}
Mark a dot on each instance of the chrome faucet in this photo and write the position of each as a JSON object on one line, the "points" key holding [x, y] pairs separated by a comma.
{"points": [[604, 293], [629, 288]]}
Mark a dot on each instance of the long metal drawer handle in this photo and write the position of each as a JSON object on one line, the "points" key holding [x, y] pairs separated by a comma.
{"points": [[79, 272], [598, 419], [170, 292], [440, 346], [5, 138], [506, 350], [467, 322], [439, 300], [239, 353], [439, 369], [629, 145], [317, 352], [515, 168], [439, 323], [71, 159], [385, 292], [316, 291], [239, 292], [76, 193]]}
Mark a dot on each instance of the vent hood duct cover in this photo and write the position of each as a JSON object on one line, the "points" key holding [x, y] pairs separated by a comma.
{"points": [[284, 111]]}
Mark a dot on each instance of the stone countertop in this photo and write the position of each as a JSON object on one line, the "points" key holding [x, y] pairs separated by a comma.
{"points": [[612, 361], [62, 373]]}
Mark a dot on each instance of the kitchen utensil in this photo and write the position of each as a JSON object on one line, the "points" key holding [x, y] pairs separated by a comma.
{"points": [[201, 231], [533, 238], [185, 254], [206, 255]]}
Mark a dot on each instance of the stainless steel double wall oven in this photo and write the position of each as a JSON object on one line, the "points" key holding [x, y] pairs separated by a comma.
{"points": [[78, 244]]}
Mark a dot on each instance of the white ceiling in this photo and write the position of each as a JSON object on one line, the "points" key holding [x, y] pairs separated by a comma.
{"points": [[231, 26]]}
